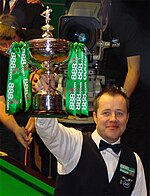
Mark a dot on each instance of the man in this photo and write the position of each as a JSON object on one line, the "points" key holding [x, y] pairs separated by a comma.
{"points": [[10, 31], [27, 25], [13, 128], [121, 67], [85, 166]]}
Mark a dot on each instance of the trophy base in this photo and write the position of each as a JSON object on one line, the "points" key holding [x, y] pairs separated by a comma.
{"points": [[48, 114], [47, 106]]}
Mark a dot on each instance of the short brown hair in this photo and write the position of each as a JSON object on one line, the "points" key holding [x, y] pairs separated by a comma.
{"points": [[9, 27], [113, 90]]}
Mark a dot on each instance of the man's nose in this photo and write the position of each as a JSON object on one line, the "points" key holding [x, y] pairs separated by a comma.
{"points": [[113, 117]]}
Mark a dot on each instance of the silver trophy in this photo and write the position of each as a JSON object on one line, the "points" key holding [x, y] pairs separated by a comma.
{"points": [[52, 54]]}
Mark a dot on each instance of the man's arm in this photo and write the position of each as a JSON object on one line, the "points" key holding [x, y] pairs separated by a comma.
{"points": [[133, 74], [63, 142], [10, 122]]}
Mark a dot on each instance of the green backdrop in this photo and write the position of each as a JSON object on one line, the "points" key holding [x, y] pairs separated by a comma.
{"points": [[59, 9]]}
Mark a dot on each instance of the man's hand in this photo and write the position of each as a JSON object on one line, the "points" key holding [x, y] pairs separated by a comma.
{"points": [[22, 136]]}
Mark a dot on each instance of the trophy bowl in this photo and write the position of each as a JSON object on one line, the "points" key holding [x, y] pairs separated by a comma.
{"points": [[51, 53]]}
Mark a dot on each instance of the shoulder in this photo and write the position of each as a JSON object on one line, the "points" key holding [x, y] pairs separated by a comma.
{"points": [[136, 157], [122, 17], [123, 22], [35, 7], [128, 152], [126, 28], [138, 160]]}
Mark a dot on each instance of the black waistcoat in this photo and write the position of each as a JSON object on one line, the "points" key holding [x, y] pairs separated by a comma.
{"points": [[90, 175]]}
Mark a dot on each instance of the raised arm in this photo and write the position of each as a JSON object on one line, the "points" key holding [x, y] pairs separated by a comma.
{"points": [[65, 143]]}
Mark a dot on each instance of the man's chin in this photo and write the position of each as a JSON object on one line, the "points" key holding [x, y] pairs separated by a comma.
{"points": [[113, 137]]}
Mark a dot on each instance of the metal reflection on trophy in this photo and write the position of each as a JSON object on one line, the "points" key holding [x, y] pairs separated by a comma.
{"points": [[52, 54]]}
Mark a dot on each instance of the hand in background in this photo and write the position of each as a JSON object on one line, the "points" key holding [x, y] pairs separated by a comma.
{"points": [[22, 136], [34, 1], [30, 127]]}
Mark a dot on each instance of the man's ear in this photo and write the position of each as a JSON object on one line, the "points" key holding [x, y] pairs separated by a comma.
{"points": [[95, 117]]}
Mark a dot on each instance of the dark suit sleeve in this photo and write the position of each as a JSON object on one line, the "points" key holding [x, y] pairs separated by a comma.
{"points": [[34, 18], [34, 22]]}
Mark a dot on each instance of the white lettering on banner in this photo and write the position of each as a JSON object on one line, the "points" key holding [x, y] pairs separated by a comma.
{"points": [[85, 69], [80, 71], [80, 89], [78, 101], [26, 86], [10, 90], [23, 61], [84, 105], [84, 97], [85, 73], [13, 60], [12, 64], [74, 71], [72, 98], [79, 97], [10, 74], [72, 102]]}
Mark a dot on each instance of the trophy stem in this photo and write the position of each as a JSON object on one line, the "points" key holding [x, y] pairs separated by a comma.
{"points": [[48, 102]]}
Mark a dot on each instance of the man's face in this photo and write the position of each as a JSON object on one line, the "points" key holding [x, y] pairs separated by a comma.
{"points": [[112, 117], [5, 44]]}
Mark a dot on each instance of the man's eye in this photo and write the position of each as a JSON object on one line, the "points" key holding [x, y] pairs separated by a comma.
{"points": [[106, 113], [119, 113]]}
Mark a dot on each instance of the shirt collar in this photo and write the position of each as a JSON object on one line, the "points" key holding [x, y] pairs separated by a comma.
{"points": [[96, 138]]}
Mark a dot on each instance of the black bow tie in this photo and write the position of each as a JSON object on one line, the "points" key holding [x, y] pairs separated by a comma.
{"points": [[104, 145]]}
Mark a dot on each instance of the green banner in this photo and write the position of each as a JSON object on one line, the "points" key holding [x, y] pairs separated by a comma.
{"points": [[77, 81], [18, 83]]}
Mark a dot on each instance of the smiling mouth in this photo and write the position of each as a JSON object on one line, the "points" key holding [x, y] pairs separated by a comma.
{"points": [[112, 127]]}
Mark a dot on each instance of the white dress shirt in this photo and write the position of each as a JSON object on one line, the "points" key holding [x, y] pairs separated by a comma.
{"points": [[66, 145]]}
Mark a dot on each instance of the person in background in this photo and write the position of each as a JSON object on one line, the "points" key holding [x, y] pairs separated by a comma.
{"points": [[28, 14], [95, 163], [12, 127]]}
